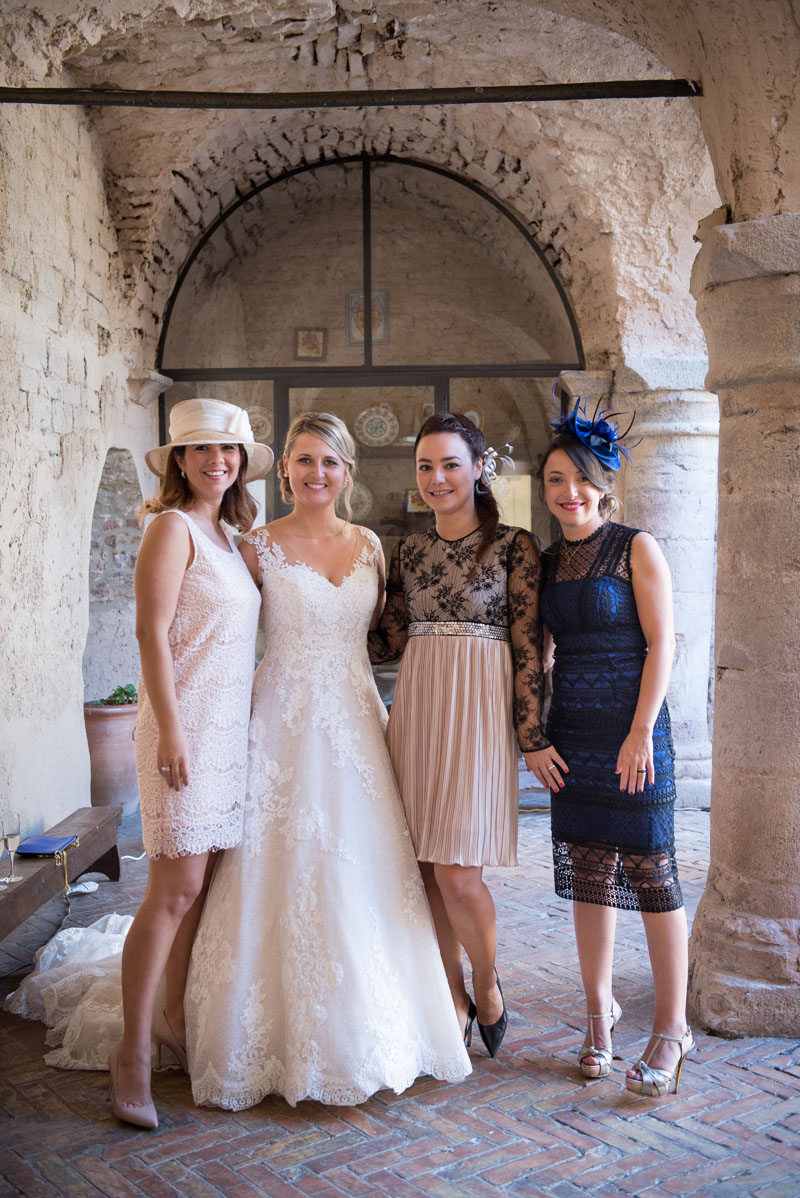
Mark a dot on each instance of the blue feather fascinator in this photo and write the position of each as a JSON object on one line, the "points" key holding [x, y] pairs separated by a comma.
{"points": [[596, 432]]}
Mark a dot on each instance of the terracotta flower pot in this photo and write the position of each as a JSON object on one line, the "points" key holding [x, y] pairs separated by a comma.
{"points": [[110, 732]]}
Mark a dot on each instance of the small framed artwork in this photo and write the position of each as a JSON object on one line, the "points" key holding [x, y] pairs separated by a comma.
{"points": [[310, 345], [355, 317], [415, 502]]}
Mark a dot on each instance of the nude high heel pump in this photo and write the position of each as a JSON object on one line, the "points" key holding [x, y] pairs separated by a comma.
{"points": [[164, 1037], [140, 1114], [601, 1067], [656, 1083]]}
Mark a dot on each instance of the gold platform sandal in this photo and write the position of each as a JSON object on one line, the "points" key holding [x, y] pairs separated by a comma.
{"points": [[656, 1083], [602, 1066]]}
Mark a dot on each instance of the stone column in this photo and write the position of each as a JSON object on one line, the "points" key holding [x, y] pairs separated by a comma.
{"points": [[745, 961], [671, 491]]}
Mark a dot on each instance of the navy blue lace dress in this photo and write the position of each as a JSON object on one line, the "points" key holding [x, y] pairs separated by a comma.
{"points": [[609, 847]]}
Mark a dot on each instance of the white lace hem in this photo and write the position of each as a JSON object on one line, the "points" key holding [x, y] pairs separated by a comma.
{"points": [[321, 1087]]}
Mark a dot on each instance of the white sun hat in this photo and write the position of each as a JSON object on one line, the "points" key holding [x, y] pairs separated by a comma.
{"points": [[211, 422]]}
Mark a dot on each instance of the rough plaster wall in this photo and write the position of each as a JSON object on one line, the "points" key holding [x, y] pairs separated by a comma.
{"points": [[63, 380], [746, 56]]}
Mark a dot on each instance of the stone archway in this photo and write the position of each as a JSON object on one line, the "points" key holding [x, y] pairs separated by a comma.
{"points": [[111, 657]]}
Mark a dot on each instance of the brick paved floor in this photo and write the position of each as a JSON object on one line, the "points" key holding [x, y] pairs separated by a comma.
{"points": [[524, 1124]]}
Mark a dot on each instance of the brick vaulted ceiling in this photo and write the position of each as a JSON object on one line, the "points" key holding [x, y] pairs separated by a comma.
{"points": [[602, 185]]}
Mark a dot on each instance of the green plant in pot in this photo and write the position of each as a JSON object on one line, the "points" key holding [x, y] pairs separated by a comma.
{"points": [[119, 697], [110, 730]]}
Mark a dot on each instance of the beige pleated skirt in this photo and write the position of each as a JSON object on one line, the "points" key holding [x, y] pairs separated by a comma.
{"points": [[454, 750]]}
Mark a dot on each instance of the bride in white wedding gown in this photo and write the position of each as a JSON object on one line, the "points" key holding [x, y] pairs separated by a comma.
{"points": [[315, 972]]}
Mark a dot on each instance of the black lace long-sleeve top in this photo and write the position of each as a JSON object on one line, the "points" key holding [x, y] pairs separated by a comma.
{"points": [[429, 581]]}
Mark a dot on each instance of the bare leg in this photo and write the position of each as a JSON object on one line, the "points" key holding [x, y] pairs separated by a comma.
{"points": [[172, 887], [668, 946], [470, 912], [595, 926], [178, 962], [449, 945]]}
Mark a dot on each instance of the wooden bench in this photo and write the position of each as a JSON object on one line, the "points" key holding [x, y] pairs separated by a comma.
{"points": [[42, 878]]}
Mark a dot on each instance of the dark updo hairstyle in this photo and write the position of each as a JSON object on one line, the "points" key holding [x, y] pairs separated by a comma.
{"points": [[600, 476], [238, 508], [473, 438]]}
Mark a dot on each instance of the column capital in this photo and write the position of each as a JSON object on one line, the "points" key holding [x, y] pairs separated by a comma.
{"points": [[750, 249], [746, 280]]}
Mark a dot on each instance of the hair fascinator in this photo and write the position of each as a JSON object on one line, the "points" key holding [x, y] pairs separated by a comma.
{"points": [[596, 432]]}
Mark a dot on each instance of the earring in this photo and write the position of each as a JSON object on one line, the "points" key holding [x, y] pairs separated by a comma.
{"points": [[183, 474]]}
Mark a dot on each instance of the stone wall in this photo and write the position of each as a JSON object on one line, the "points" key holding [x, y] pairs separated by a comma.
{"points": [[64, 356]]}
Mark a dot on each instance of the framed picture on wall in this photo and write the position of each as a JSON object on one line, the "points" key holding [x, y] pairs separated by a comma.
{"points": [[355, 318], [310, 345]]}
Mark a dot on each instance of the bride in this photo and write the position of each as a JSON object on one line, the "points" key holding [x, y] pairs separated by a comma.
{"points": [[315, 972]]}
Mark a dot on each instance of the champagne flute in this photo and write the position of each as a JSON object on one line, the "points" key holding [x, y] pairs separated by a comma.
{"points": [[11, 836]]}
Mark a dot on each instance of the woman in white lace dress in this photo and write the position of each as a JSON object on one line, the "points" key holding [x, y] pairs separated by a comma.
{"points": [[315, 972], [196, 616]]}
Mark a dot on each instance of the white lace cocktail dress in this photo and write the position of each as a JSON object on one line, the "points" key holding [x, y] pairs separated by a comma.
{"points": [[212, 637]]}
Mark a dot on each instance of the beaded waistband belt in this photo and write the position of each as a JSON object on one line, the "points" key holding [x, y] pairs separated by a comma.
{"points": [[489, 632]]}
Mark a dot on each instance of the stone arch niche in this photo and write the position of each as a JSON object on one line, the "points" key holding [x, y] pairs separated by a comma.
{"points": [[288, 255], [111, 656], [467, 313]]}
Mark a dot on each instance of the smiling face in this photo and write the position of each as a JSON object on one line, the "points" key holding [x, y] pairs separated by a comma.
{"points": [[315, 471], [446, 473], [570, 496], [210, 469]]}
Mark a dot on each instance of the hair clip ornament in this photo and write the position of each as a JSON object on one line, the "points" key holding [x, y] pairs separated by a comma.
{"points": [[490, 459]]}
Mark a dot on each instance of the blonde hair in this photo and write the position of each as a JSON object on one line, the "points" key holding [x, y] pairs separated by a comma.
{"points": [[238, 508], [333, 432]]}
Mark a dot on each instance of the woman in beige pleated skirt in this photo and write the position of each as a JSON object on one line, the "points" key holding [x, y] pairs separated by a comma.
{"points": [[461, 609]]}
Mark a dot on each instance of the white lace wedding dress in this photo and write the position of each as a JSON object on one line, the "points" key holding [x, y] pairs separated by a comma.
{"points": [[315, 972]]}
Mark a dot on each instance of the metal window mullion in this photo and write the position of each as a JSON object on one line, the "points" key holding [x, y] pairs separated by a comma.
{"points": [[366, 249]]}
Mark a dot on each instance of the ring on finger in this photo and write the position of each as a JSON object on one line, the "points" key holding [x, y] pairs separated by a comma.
{"points": [[552, 765], [641, 771], [165, 769]]}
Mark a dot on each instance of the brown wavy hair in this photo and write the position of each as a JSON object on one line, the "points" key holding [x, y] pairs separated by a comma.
{"points": [[473, 438], [238, 508], [600, 476]]}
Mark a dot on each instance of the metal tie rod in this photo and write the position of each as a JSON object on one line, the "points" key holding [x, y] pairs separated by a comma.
{"points": [[97, 97]]}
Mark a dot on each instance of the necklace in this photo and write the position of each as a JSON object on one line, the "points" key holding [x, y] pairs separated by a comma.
{"points": [[576, 545]]}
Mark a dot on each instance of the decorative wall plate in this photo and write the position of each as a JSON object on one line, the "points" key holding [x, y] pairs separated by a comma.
{"points": [[475, 414], [377, 425], [361, 501], [260, 423]]}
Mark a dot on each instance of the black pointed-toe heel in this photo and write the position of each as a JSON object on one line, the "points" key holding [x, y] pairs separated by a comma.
{"points": [[492, 1033], [472, 1015]]}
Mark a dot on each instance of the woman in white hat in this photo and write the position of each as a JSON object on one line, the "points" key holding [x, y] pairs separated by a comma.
{"points": [[196, 616]]}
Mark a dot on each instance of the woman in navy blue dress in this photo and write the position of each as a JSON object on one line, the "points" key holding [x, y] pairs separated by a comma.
{"points": [[607, 603]]}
